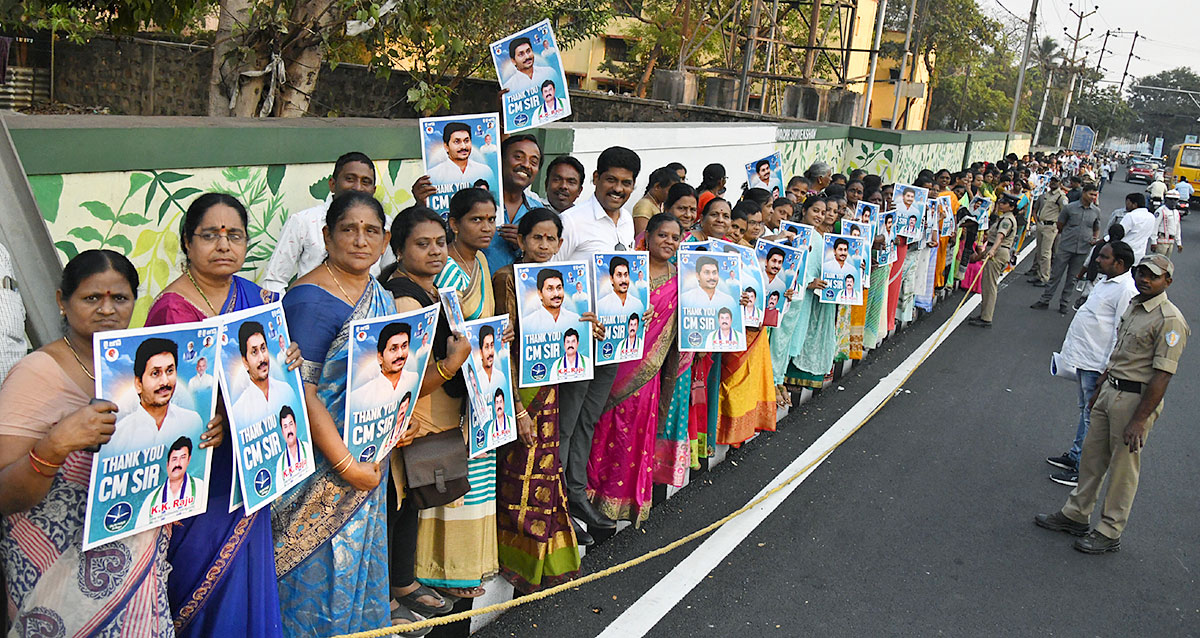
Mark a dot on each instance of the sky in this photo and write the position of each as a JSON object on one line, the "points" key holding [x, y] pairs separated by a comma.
{"points": [[1169, 31]]}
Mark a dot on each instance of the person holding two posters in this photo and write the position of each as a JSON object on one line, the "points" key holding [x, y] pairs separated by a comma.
{"points": [[47, 429], [534, 94]]}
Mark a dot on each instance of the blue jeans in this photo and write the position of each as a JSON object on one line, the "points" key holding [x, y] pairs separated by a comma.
{"points": [[1087, 387]]}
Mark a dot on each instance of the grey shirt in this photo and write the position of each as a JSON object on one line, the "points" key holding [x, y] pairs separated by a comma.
{"points": [[1078, 226]]}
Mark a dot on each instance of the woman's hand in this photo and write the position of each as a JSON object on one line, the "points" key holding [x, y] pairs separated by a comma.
{"points": [[597, 327], [214, 436], [817, 284], [408, 437], [509, 335], [526, 428], [293, 356], [788, 293], [458, 348], [648, 316], [362, 476], [91, 425]]}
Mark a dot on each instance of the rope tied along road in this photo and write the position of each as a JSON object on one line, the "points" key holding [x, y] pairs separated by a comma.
{"points": [[573, 584]]}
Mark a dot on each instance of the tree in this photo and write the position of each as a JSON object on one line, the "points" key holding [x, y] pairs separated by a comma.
{"points": [[1165, 114]]}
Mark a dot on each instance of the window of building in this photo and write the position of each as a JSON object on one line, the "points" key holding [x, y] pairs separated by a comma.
{"points": [[616, 50]]}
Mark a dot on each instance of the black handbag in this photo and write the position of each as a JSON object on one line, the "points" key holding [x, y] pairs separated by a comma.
{"points": [[435, 469]]}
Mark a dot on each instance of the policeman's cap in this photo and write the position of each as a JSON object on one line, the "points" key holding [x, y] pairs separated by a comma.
{"points": [[1158, 264], [1010, 199]]}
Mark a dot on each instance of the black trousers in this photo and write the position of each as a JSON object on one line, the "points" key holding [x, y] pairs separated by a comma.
{"points": [[402, 539]]}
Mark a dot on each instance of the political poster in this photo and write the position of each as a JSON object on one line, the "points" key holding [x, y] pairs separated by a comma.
{"points": [[911, 203], [767, 174], [621, 285], [981, 208], [866, 213], [387, 359], [709, 296], [781, 266], [556, 344], [803, 234], [492, 419], [932, 223], [946, 210], [859, 229], [152, 471], [272, 445], [531, 75], [887, 228], [751, 283], [843, 268], [461, 151], [452, 305]]}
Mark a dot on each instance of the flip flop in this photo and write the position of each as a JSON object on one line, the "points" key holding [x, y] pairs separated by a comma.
{"points": [[460, 592], [412, 600], [402, 613]]}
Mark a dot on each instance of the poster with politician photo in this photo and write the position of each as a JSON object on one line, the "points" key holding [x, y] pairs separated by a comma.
{"points": [[780, 265], [867, 213], [621, 281], [946, 214], [461, 151], [531, 77], [272, 445], [981, 208], [910, 202], [153, 470], [858, 229], [556, 343], [843, 269], [802, 232], [709, 296], [751, 283], [387, 358], [491, 417], [767, 174], [887, 228]]}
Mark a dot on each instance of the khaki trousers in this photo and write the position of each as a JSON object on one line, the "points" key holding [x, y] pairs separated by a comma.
{"points": [[1046, 234], [1105, 452], [990, 283], [1165, 248]]}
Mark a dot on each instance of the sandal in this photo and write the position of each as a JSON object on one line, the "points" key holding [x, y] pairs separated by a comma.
{"points": [[412, 600], [402, 615], [454, 593]]}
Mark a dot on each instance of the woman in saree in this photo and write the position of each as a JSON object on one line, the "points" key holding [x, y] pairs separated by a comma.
{"points": [[222, 563], [47, 428], [748, 400], [674, 448], [715, 220], [789, 338], [330, 531], [876, 302], [621, 467], [538, 539], [812, 362]]}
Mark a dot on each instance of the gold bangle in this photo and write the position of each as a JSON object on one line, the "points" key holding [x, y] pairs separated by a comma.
{"points": [[39, 472], [337, 467], [44, 462], [522, 413], [442, 372]]}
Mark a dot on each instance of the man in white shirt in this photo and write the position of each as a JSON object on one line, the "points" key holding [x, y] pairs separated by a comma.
{"points": [[632, 343], [1090, 340], [724, 338], [1139, 225], [155, 420], [202, 381], [301, 245], [707, 295], [458, 168], [179, 493], [550, 316], [263, 397], [762, 177], [1157, 189], [601, 223], [572, 365], [528, 76], [551, 105], [296, 453], [618, 302], [1167, 238]]}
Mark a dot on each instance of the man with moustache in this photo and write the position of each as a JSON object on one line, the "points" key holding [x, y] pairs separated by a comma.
{"points": [[564, 183], [707, 295], [155, 420], [393, 380], [724, 337], [572, 364], [528, 76], [550, 316], [487, 360], [178, 492], [296, 454], [520, 159], [459, 167], [601, 223], [264, 396], [618, 301]]}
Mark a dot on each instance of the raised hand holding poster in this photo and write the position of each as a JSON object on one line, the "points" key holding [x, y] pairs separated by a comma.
{"points": [[767, 174], [531, 74]]}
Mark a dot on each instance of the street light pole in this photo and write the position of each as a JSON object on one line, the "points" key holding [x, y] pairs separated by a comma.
{"points": [[1012, 120]]}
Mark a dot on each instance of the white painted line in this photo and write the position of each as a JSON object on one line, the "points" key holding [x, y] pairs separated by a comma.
{"points": [[656, 603]]}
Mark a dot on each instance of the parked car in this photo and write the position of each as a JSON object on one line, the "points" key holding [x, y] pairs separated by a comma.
{"points": [[1141, 171]]}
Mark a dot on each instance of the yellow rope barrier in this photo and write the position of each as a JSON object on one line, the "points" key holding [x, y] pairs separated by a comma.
{"points": [[572, 584]]}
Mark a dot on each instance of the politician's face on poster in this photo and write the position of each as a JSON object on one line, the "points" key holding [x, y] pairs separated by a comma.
{"points": [[532, 81]]}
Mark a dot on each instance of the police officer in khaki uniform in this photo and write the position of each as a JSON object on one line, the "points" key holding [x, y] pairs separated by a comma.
{"points": [[999, 243], [1127, 401]]}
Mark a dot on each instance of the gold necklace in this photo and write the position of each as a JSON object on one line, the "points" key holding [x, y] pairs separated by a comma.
{"points": [[203, 296], [77, 359], [338, 284], [475, 266]]}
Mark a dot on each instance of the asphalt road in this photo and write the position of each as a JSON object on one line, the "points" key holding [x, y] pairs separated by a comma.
{"points": [[922, 522]]}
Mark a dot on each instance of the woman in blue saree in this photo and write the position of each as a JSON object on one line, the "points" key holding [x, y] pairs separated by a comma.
{"points": [[330, 531], [222, 580]]}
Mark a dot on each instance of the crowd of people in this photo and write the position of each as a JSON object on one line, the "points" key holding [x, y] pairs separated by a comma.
{"points": [[351, 548]]}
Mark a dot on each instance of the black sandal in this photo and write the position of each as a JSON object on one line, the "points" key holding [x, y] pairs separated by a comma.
{"points": [[412, 600]]}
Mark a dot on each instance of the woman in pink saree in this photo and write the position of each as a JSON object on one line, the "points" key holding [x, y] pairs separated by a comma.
{"points": [[621, 468]]}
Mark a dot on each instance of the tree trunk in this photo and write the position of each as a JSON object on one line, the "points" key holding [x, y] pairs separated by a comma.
{"points": [[225, 69], [303, 55], [640, 90]]}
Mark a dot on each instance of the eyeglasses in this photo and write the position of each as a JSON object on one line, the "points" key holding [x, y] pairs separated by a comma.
{"points": [[234, 237]]}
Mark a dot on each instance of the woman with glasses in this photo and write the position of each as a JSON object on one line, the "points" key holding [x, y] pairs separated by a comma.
{"points": [[222, 578]]}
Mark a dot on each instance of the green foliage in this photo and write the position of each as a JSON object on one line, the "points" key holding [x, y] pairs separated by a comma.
{"points": [[1163, 113], [78, 20]]}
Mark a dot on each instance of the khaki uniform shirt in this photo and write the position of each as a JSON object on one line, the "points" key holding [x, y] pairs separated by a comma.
{"points": [[1151, 337], [1052, 205], [1007, 224]]}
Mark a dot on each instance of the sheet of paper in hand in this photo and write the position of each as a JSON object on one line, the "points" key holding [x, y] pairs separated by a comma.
{"points": [[621, 285], [492, 418], [709, 297]]}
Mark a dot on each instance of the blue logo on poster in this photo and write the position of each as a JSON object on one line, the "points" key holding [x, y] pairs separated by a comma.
{"points": [[367, 454], [694, 339], [521, 119], [117, 517], [538, 372], [607, 350], [481, 437], [262, 482]]}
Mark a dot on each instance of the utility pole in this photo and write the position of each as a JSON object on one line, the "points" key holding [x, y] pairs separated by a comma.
{"points": [[751, 42], [1012, 120], [1037, 132], [912, 16], [762, 107], [1074, 69], [1126, 73], [882, 9], [1103, 49]]}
